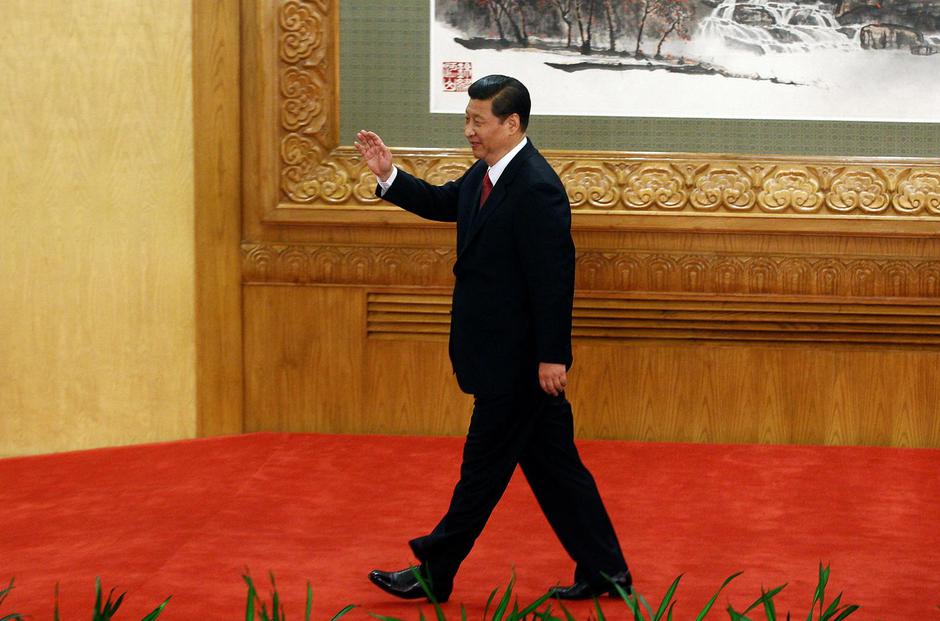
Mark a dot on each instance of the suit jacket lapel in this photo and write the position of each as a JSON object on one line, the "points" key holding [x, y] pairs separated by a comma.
{"points": [[497, 196], [466, 210]]}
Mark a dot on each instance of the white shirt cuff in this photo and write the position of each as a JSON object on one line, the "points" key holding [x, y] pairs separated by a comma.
{"points": [[385, 185]]}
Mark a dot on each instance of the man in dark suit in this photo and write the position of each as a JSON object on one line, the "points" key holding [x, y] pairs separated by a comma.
{"points": [[510, 344]]}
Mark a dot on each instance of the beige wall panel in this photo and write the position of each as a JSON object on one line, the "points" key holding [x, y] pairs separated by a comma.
{"points": [[96, 202]]}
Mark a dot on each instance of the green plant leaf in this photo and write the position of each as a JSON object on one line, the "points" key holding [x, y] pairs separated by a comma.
{"points": [[545, 615], [736, 616], [531, 607], [631, 602], [832, 609], [6, 591], [489, 601], [97, 613], [342, 613], [309, 607], [820, 594], [600, 613], [769, 609], [848, 610], [463, 613], [504, 601], [416, 572], [667, 598], [714, 598], [764, 598], [646, 605], [384, 618], [156, 611], [275, 601], [564, 609], [252, 595]]}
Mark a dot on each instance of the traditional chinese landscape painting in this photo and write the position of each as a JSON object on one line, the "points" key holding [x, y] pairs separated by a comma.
{"points": [[861, 60]]}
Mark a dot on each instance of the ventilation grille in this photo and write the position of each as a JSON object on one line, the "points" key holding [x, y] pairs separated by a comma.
{"points": [[427, 316]]}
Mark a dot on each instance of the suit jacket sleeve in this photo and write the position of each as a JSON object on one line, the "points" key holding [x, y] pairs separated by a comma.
{"points": [[433, 202], [547, 255]]}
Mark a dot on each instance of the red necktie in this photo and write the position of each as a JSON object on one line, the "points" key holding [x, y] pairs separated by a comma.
{"points": [[487, 188]]}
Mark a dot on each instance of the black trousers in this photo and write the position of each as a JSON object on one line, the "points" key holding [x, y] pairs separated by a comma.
{"points": [[535, 431]]}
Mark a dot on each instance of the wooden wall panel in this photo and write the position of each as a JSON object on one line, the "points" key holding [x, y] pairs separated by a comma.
{"points": [[219, 389], [309, 367], [304, 359], [734, 393]]}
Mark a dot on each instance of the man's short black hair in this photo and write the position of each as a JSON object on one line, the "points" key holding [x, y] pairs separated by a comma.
{"points": [[509, 96]]}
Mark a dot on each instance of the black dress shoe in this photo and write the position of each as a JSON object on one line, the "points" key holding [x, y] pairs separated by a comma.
{"points": [[583, 589], [405, 584]]}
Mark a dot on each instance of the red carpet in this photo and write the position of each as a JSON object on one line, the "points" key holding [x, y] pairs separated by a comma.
{"points": [[184, 519]]}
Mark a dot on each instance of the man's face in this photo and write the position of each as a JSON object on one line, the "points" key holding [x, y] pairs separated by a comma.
{"points": [[489, 137]]}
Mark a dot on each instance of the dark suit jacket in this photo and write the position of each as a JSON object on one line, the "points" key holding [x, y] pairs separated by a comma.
{"points": [[514, 271]]}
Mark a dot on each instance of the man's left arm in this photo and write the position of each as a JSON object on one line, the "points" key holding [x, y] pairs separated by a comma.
{"points": [[547, 255]]}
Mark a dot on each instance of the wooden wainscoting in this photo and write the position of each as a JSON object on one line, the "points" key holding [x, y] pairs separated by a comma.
{"points": [[816, 339]]}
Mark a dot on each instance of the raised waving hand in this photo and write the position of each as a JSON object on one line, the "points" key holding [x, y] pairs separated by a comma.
{"points": [[375, 154]]}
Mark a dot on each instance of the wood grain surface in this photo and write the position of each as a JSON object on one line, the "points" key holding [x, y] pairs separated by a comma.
{"points": [[96, 196]]}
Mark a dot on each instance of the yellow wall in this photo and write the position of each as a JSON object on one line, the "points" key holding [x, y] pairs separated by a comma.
{"points": [[97, 324]]}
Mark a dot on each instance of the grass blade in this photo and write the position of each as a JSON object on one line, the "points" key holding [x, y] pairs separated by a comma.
{"points": [[820, 594], [274, 597], [252, 594], [646, 604], [309, 606], [416, 571], [342, 613], [833, 607], [564, 609], [769, 609], [531, 607], [848, 610], [765, 596], [489, 601], [714, 598], [504, 601], [6, 591], [667, 598], [600, 613], [156, 611]]}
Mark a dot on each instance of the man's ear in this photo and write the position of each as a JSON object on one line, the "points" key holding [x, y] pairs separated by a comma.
{"points": [[514, 122]]}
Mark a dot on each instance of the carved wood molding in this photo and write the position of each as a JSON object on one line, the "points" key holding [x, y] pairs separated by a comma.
{"points": [[426, 316], [611, 270], [317, 175]]}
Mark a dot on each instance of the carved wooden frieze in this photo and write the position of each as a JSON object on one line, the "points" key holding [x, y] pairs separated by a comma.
{"points": [[314, 170], [613, 270]]}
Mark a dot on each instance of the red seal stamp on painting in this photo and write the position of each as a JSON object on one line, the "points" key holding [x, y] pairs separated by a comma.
{"points": [[458, 76]]}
